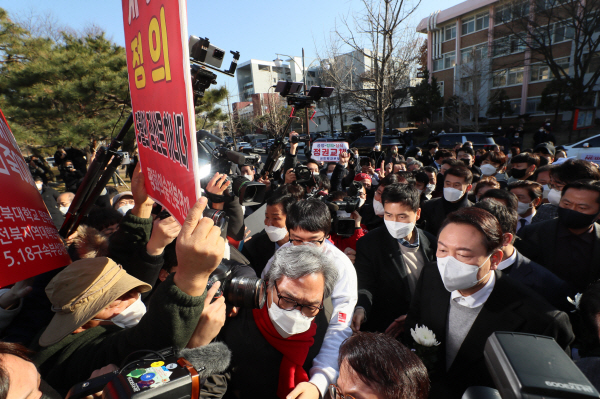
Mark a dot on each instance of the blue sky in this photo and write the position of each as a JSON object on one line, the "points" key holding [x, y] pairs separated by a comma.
{"points": [[257, 29]]}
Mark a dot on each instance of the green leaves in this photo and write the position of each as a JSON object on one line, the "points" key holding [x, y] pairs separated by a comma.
{"points": [[68, 92]]}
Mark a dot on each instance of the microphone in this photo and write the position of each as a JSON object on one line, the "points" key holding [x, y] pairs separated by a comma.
{"points": [[137, 377], [236, 157], [210, 359]]}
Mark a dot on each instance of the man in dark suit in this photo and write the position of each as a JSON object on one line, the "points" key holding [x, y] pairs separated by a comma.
{"points": [[463, 299], [569, 246], [457, 184], [389, 261], [521, 268], [263, 245]]}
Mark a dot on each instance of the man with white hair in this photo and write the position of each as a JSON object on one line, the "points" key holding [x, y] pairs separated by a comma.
{"points": [[273, 347]]}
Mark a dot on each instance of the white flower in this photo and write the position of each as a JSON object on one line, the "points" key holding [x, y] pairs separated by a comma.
{"points": [[423, 336], [576, 301]]}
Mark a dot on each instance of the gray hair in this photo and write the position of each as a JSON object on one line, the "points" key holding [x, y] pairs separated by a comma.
{"points": [[298, 261], [414, 161]]}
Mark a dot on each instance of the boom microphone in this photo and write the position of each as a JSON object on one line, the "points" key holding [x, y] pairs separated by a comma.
{"points": [[210, 359]]}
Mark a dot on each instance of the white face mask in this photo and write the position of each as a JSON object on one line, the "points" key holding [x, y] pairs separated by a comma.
{"points": [[377, 148], [451, 194], [315, 173], [329, 175], [488, 169], [249, 177], [420, 191], [399, 230], [429, 189], [123, 210], [361, 202], [378, 207], [276, 233], [546, 191], [288, 322], [457, 275], [523, 207], [63, 209], [39, 186], [554, 197], [131, 316]]}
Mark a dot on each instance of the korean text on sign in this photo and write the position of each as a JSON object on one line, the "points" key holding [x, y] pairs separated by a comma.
{"points": [[29, 241], [162, 102], [329, 151]]}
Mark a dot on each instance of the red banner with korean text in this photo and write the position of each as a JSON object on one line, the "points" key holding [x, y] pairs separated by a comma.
{"points": [[29, 241], [156, 41]]}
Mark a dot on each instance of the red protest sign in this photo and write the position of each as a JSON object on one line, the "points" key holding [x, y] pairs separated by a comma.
{"points": [[162, 101], [29, 241]]}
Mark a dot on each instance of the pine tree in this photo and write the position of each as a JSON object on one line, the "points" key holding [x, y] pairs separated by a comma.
{"points": [[67, 92]]}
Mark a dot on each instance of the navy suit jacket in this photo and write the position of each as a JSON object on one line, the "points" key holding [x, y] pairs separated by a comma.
{"points": [[542, 281]]}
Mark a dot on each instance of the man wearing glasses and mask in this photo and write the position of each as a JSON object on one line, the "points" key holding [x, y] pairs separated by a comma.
{"points": [[273, 348], [308, 223]]}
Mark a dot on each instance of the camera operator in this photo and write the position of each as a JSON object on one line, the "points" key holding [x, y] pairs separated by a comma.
{"points": [[389, 261], [344, 171], [263, 245], [215, 190], [73, 344], [345, 243], [71, 176], [273, 347], [309, 223]]}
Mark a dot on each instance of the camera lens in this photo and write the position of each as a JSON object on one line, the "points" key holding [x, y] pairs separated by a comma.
{"points": [[249, 292], [218, 217]]}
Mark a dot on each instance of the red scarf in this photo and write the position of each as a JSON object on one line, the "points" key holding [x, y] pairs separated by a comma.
{"points": [[294, 350]]}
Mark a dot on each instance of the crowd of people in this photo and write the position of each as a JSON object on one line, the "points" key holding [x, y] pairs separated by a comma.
{"points": [[462, 242]]}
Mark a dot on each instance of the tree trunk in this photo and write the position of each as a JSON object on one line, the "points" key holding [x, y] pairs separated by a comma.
{"points": [[341, 111]]}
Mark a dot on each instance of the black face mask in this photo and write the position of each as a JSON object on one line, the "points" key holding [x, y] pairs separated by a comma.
{"points": [[466, 161], [518, 173], [575, 220]]}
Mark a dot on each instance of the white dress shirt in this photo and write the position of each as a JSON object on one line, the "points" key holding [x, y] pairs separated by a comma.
{"points": [[344, 296], [508, 261], [477, 299]]}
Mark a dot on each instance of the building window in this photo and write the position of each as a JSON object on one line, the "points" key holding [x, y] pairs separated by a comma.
{"points": [[441, 88], [477, 53], [594, 63], [482, 21], [509, 45], [449, 32], [511, 11], [466, 86], [534, 106], [468, 25], [562, 31], [515, 106], [539, 73], [449, 60], [515, 76], [265, 68], [508, 77]]}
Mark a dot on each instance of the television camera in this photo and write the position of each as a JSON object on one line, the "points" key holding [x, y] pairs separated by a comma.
{"points": [[342, 225], [205, 57], [291, 91], [222, 160]]}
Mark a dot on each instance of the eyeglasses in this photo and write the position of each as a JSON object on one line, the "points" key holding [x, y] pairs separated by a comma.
{"points": [[289, 304], [316, 243], [336, 393]]}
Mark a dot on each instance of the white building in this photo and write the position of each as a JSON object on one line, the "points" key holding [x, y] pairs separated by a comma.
{"points": [[258, 76]]}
